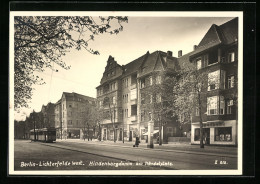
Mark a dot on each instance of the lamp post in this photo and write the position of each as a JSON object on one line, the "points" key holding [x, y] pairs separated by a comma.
{"points": [[150, 131]]}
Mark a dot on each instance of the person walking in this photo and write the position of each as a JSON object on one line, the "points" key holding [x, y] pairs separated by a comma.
{"points": [[137, 141]]}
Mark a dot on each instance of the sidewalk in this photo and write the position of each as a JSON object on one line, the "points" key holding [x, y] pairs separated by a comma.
{"points": [[225, 150]]}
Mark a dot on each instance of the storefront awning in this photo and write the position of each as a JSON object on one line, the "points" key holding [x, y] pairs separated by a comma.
{"points": [[154, 132]]}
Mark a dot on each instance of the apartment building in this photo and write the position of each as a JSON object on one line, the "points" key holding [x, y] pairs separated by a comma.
{"points": [[217, 55], [125, 86], [48, 113], [69, 115]]}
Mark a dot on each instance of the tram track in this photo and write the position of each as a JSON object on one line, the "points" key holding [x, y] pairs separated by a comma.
{"points": [[103, 156]]}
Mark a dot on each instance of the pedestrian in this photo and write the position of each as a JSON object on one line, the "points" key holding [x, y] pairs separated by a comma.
{"points": [[137, 141]]}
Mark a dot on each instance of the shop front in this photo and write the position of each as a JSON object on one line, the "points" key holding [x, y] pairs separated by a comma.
{"points": [[215, 133]]}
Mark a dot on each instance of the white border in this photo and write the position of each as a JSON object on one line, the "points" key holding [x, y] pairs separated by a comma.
{"points": [[135, 14]]}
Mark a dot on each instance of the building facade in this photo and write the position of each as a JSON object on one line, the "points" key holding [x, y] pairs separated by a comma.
{"points": [[70, 115], [217, 55], [48, 113], [125, 86]]}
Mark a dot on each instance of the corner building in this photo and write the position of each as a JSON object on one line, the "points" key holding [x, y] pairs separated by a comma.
{"points": [[217, 54], [69, 115]]}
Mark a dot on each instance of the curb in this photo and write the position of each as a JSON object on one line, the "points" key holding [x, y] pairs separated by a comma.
{"points": [[165, 150]]}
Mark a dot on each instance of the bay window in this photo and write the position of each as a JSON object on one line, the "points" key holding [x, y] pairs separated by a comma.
{"points": [[215, 105]]}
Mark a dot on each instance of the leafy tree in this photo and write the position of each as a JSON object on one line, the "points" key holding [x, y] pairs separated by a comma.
{"points": [[41, 41], [158, 98], [112, 112], [191, 92], [88, 119]]}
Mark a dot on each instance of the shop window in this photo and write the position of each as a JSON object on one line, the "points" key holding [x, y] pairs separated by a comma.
{"points": [[223, 134], [196, 134]]}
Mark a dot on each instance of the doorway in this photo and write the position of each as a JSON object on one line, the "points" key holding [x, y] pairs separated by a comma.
{"points": [[206, 135], [130, 135]]}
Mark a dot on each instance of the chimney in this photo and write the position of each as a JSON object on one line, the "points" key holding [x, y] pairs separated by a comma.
{"points": [[179, 53], [195, 47], [169, 53]]}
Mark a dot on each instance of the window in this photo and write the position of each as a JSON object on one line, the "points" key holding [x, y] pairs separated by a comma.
{"points": [[206, 60], [231, 57], [231, 81], [142, 98], [151, 80], [216, 80], [215, 105], [133, 110], [142, 83], [151, 98], [198, 64], [229, 106], [70, 122], [70, 105], [142, 115], [133, 94], [169, 131], [114, 100], [158, 79], [213, 80], [223, 134], [133, 79], [197, 112], [158, 98], [196, 134]]}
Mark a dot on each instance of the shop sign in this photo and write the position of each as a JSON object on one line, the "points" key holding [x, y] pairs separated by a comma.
{"points": [[213, 124]]}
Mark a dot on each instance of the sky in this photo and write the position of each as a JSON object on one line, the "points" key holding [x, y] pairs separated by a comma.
{"points": [[139, 35]]}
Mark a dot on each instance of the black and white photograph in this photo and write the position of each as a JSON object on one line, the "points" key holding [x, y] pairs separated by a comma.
{"points": [[125, 93]]}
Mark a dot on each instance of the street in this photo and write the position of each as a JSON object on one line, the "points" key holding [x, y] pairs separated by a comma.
{"points": [[91, 155]]}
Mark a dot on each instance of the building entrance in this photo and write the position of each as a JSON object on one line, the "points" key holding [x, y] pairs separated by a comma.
{"points": [[206, 135]]}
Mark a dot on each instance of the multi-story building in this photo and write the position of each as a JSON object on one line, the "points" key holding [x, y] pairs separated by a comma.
{"points": [[125, 86], [217, 55], [48, 114], [70, 113]]}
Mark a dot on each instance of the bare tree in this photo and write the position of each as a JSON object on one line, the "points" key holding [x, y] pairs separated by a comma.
{"points": [[41, 41]]}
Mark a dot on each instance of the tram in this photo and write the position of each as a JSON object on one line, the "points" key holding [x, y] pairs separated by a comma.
{"points": [[44, 134]]}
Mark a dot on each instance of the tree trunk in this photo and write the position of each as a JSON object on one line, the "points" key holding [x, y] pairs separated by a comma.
{"points": [[123, 135], [201, 124], [160, 133]]}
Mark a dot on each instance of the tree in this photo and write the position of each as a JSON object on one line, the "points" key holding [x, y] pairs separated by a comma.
{"points": [[112, 112], [41, 41], [158, 98], [191, 90], [88, 120]]}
